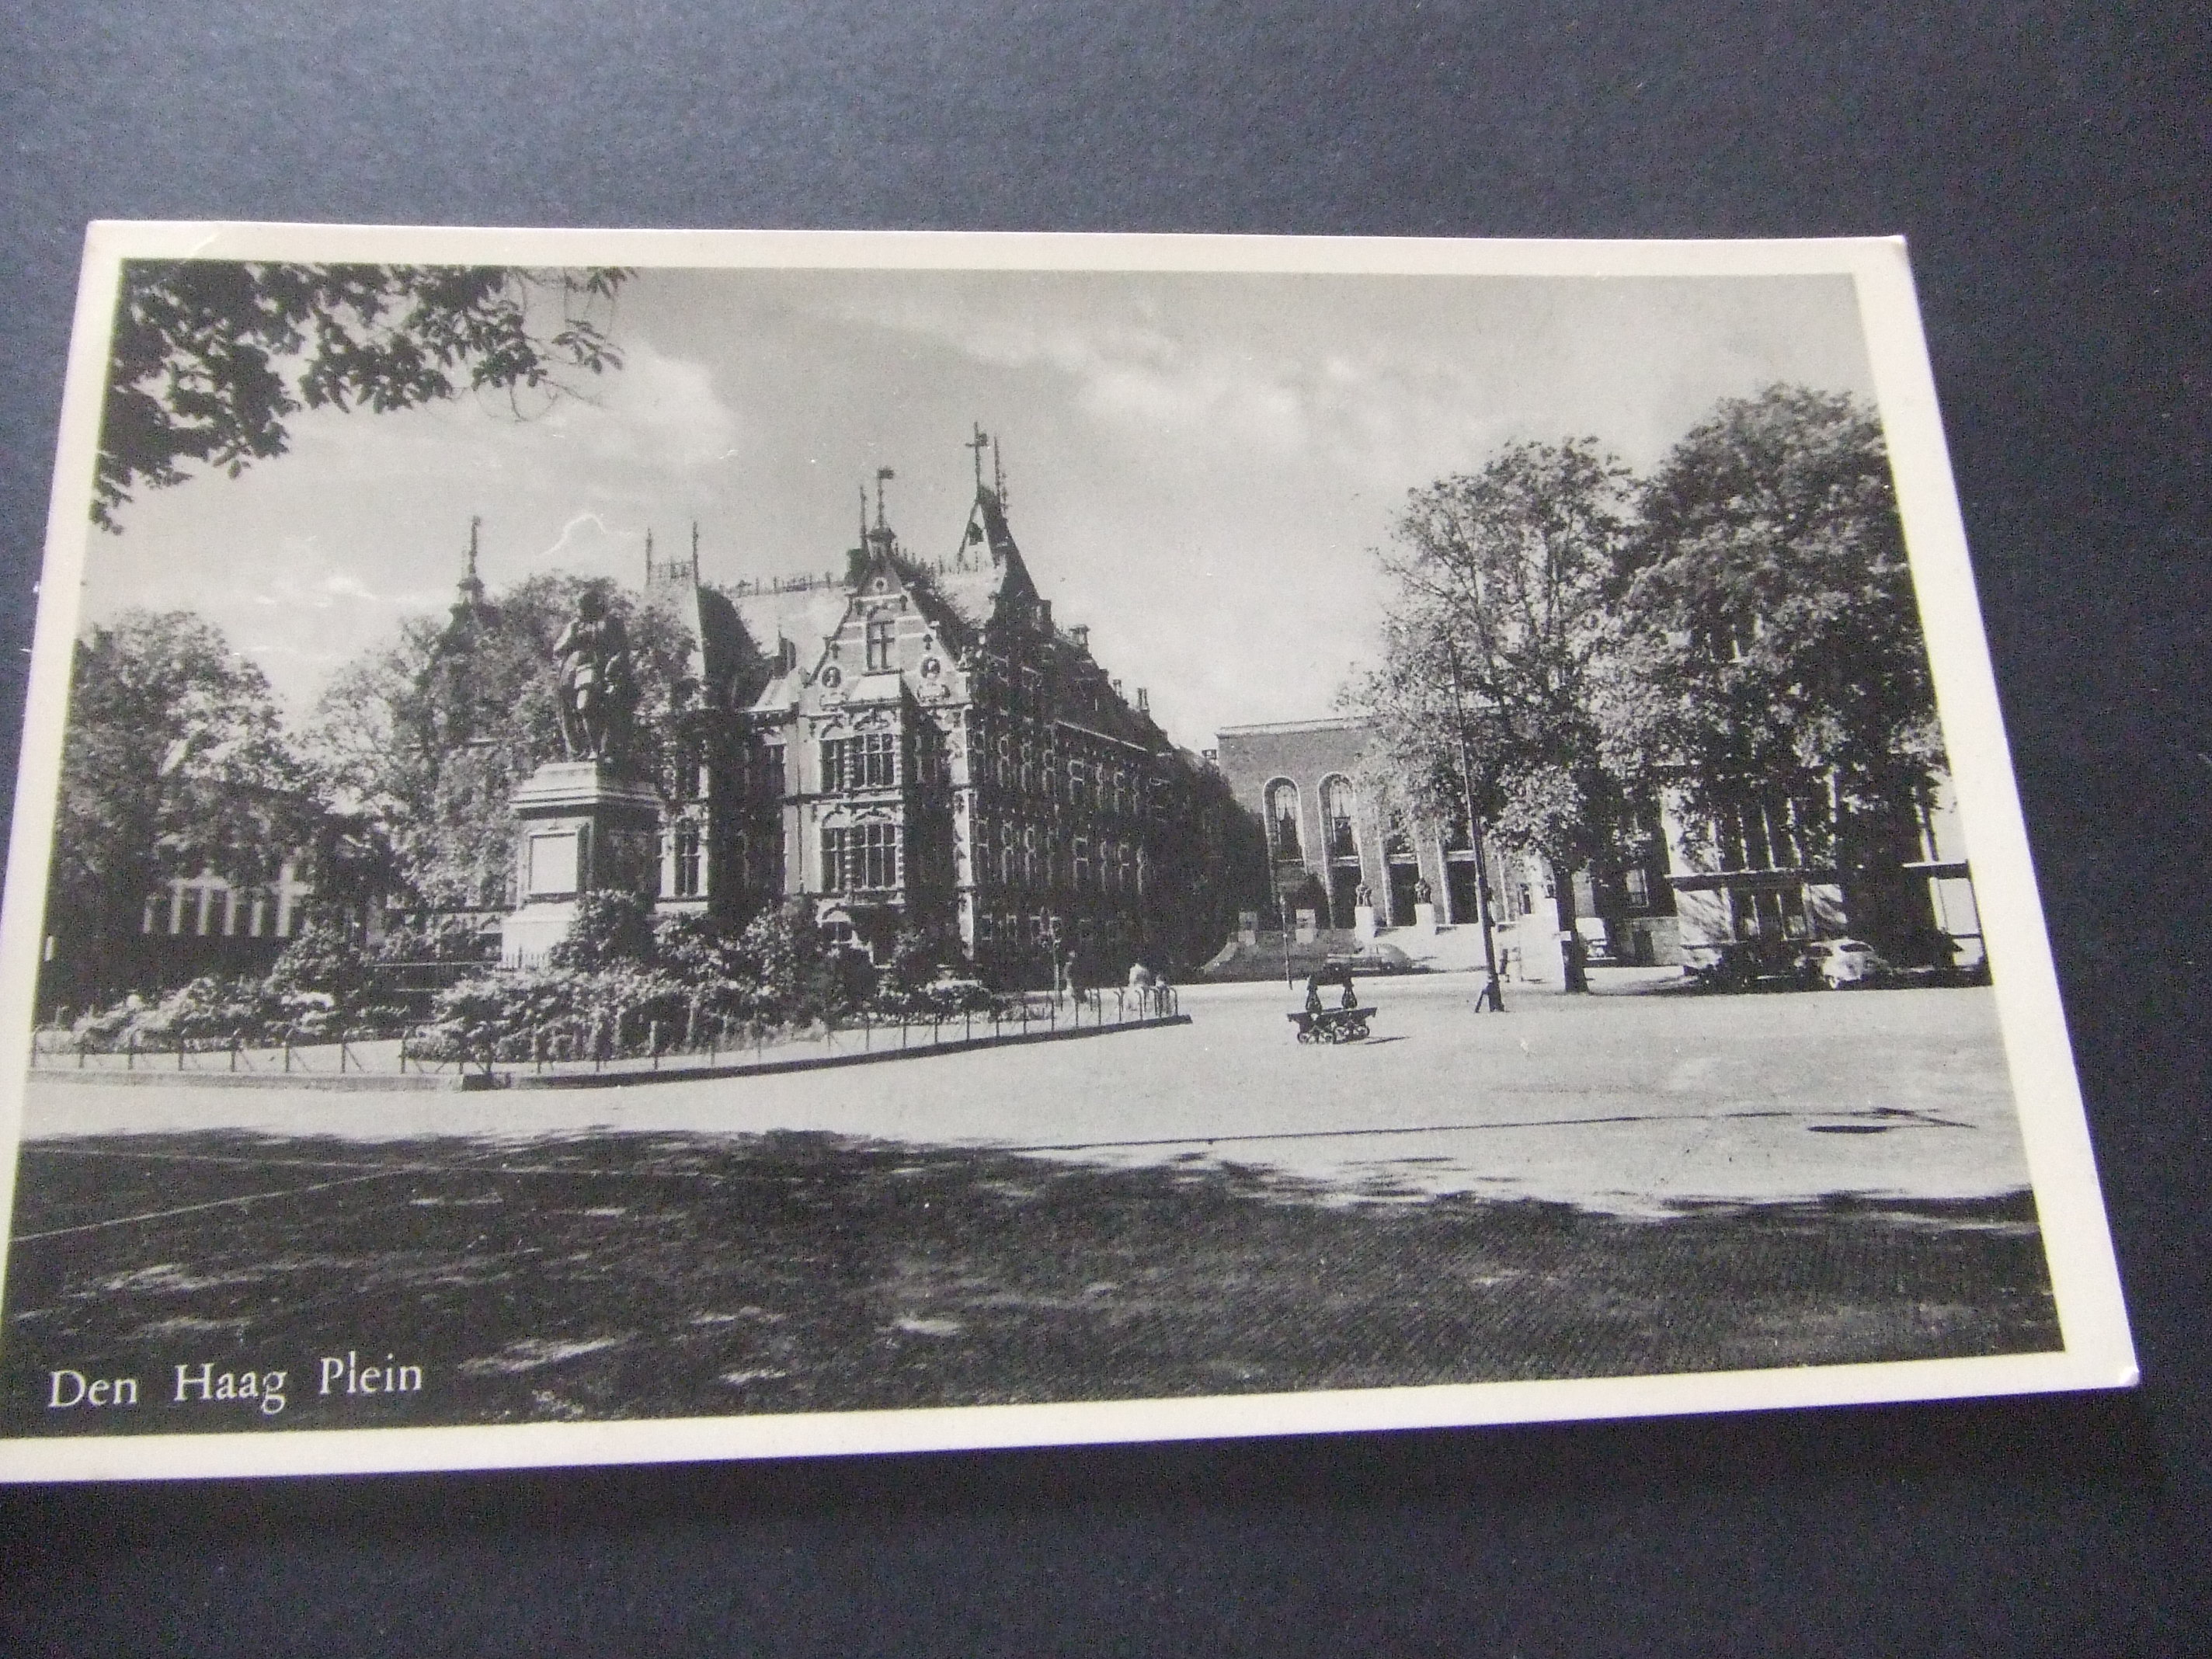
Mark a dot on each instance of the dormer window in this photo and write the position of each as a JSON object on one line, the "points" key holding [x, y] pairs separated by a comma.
{"points": [[880, 633]]}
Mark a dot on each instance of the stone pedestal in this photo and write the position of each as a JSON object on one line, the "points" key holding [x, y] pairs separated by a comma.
{"points": [[581, 827], [1363, 922], [1425, 919]]}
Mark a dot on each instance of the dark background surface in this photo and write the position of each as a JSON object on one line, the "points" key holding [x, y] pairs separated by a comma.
{"points": [[2048, 163]]}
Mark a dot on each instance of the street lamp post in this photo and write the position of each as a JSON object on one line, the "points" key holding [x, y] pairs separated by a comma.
{"points": [[1494, 993]]}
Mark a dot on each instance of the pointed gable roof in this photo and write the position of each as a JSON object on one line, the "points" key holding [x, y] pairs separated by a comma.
{"points": [[985, 577]]}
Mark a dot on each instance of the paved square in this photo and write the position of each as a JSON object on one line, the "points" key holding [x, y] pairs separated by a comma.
{"points": [[1629, 1103], [1608, 1186]]}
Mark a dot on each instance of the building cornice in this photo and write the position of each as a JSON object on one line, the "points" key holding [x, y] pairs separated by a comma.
{"points": [[1291, 728]]}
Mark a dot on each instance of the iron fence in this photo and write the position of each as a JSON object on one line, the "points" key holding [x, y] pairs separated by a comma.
{"points": [[620, 1040]]}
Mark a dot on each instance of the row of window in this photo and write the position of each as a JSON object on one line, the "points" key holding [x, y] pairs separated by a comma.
{"points": [[1776, 836], [1016, 765], [870, 761], [1036, 932], [210, 906], [861, 858], [1026, 857], [1339, 812]]}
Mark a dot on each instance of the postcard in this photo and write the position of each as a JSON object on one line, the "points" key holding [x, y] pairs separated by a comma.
{"points": [[648, 846]]}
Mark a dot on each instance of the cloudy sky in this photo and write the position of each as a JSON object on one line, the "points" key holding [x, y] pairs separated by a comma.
{"points": [[1199, 466]]}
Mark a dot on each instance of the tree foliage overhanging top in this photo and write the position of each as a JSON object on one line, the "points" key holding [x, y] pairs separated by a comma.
{"points": [[211, 356]]}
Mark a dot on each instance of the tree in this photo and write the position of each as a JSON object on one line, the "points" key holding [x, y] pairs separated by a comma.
{"points": [[211, 356], [429, 734], [174, 761], [1774, 665], [1494, 647]]}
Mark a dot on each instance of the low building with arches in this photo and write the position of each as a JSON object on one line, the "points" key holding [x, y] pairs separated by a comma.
{"points": [[1676, 892], [1328, 846]]}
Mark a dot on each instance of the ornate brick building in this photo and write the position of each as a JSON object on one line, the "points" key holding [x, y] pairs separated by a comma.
{"points": [[915, 743]]}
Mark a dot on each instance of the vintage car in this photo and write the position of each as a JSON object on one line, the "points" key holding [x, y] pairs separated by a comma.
{"points": [[1375, 957], [1838, 962]]}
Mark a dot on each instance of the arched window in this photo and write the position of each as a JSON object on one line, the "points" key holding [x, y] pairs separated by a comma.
{"points": [[1283, 819], [1338, 812]]}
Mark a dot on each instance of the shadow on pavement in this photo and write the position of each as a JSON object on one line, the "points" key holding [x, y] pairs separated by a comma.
{"points": [[640, 1275]]}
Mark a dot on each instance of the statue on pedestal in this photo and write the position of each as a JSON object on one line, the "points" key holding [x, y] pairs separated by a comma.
{"points": [[598, 682]]}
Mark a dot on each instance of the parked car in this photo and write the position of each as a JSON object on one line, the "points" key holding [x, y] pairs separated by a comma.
{"points": [[1375, 957], [1838, 962], [1747, 965]]}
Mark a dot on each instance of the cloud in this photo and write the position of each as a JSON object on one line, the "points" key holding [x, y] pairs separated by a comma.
{"points": [[1183, 382], [658, 411]]}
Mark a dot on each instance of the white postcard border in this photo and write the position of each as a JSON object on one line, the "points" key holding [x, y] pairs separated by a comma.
{"points": [[2098, 1351]]}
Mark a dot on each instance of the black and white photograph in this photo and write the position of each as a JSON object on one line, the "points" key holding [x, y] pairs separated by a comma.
{"points": [[692, 845]]}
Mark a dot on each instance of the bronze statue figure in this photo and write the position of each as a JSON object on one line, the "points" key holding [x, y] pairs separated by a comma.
{"points": [[599, 682]]}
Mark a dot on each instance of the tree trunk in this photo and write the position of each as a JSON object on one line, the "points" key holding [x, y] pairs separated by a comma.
{"points": [[1571, 975]]}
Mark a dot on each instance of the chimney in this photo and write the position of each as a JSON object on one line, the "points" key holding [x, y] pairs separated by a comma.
{"points": [[1082, 635], [1044, 614], [1212, 757], [1117, 687]]}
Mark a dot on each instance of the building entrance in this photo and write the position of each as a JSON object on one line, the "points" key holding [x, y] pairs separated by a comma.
{"points": [[1403, 893], [1460, 885], [1343, 896]]}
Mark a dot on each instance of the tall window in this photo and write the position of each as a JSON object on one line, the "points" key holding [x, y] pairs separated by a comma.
{"points": [[862, 763], [687, 858], [1283, 818], [1336, 814], [1082, 862], [1075, 783], [881, 631], [690, 773], [862, 858]]}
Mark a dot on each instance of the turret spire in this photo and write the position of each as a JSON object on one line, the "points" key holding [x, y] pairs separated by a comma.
{"points": [[471, 584], [979, 443]]}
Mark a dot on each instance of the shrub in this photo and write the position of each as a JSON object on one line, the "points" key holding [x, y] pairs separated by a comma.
{"points": [[323, 961], [609, 928], [567, 1013]]}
